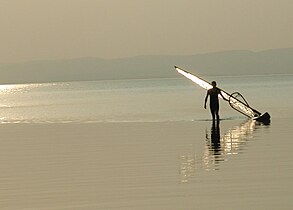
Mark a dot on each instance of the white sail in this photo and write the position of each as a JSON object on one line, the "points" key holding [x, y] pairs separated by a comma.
{"points": [[204, 84]]}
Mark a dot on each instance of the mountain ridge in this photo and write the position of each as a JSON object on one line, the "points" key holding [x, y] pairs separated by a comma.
{"points": [[236, 62]]}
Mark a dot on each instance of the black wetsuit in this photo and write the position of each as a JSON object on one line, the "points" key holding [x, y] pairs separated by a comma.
{"points": [[214, 101]]}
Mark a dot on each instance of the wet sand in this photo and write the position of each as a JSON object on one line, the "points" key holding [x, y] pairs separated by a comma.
{"points": [[167, 165]]}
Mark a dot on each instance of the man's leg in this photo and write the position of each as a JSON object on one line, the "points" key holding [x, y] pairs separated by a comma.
{"points": [[217, 112], [213, 112], [217, 115]]}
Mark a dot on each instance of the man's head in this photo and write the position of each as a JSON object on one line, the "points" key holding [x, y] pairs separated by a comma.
{"points": [[214, 84]]}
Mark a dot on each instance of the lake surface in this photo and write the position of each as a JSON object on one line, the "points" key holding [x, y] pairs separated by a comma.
{"points": [[145, 144], [158, 100]]}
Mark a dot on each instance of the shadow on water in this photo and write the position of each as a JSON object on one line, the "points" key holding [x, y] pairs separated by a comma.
{"points": [[218, 148]]}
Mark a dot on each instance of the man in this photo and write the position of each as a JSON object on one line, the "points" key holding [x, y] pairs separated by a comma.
{"points": [[214, 100]]}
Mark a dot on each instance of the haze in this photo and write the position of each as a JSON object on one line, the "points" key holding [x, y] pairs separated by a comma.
{"points": [[61, 29]]}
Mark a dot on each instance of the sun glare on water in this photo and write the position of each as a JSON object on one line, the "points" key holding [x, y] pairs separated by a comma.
{"points": [[6, 88], [17, 88]]}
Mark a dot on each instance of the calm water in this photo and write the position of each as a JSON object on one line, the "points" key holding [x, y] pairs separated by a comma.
{"points": [[144, 144], [138, 100]]}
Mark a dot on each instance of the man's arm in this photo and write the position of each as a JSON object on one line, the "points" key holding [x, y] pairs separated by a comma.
{"points": [[222, 95], [205, 100]]}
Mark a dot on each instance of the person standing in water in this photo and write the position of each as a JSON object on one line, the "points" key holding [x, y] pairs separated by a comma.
{"points": [[214, 100]]}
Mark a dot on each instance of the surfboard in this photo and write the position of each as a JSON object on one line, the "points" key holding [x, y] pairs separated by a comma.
{"points": [[236, 100]]}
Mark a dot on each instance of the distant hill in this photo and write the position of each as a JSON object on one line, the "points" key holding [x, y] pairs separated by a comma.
{"points": [[276, 61]]}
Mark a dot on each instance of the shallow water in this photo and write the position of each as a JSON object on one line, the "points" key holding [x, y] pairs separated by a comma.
{"points": [[144, 145], [170, 165]]}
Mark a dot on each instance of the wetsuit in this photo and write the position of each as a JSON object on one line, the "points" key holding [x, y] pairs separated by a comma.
{"points": [[214, 101]]}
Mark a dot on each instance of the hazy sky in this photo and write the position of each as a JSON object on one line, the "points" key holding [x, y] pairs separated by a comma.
{"points": [[57, 29]]}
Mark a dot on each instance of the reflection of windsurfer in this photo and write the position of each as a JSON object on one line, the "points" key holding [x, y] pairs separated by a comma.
{"points": [[219, 147], [214, 100], [215, 138]]}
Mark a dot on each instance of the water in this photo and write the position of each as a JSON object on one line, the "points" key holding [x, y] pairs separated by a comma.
{"points": [[144, 144], [137, 100], [105, 101]]}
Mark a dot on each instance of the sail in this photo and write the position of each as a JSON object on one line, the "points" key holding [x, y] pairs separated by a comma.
{"points": [[235, 100], [201, 82]]}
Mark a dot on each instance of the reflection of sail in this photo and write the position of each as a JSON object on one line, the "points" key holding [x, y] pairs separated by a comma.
{"points": [[236, 100], [218, 148]]}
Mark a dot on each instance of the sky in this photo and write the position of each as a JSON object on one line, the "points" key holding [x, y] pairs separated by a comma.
{"points": [[65, 29]]}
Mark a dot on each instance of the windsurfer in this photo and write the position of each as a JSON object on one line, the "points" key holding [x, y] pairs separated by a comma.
{"points": [[214, 100]]}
